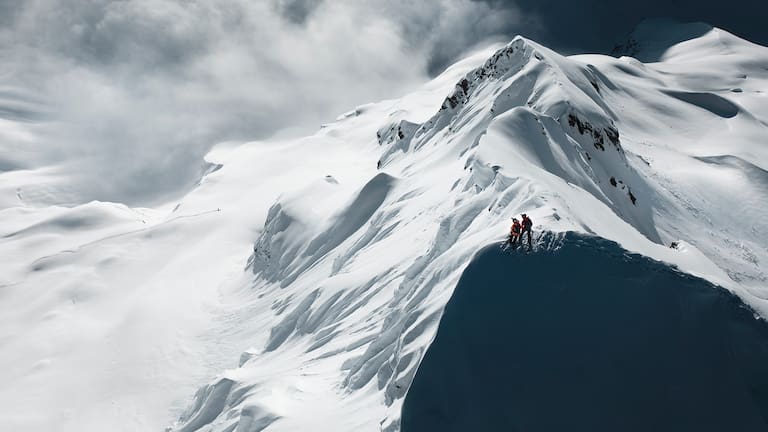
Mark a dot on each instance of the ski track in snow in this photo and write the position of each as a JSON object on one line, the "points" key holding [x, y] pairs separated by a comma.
{"points": [[357, 248]]}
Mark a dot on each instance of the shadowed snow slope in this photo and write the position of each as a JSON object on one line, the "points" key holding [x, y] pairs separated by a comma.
{"points": [[586, 336]]}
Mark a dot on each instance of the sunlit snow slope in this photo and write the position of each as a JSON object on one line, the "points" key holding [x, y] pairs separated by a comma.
{"points": [[304, 280]]}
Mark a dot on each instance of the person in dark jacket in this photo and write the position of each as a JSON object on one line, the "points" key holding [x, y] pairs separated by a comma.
{"points": [[526, 228]]}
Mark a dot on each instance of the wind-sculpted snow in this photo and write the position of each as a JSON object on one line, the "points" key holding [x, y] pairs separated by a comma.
{"points": [[586, 336], [567, 126], [713, 103], [280, 225], [397, 138], [356, 214], [209, 402]]}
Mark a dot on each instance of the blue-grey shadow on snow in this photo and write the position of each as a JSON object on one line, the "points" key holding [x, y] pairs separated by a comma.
{"points": [[589, 337]]}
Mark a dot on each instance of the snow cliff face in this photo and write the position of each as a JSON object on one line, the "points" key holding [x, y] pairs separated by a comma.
{"points": [[325, 263]]}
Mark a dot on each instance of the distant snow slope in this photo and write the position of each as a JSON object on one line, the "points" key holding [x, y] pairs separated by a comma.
{"points": [[327, 261]]}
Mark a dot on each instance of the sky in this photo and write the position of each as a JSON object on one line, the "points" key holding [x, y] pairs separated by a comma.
{"points": [[578, 26], [119, 100]]}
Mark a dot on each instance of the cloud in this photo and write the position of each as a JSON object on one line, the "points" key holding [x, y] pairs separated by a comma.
{"points": [[296, 11]]}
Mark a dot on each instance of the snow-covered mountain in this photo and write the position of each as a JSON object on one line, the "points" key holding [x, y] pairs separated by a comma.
{"points": [[304, 280]]}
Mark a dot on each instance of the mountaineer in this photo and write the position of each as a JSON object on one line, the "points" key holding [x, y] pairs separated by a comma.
{"points": [[526, 225]]}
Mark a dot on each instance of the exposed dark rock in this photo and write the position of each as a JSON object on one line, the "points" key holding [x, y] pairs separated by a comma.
{"points": [[613, 136], [490, 69], [584, 127], [630, 47]]}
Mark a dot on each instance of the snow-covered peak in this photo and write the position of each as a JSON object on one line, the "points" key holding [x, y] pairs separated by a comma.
{"points": [[522, 73], [527, 90]]}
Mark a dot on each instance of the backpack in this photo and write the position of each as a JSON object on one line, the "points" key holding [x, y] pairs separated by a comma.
{"points": [[527, 222]]}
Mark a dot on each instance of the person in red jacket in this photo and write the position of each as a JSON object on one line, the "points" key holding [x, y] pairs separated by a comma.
{"points": [[514, 233], [526, 228]]}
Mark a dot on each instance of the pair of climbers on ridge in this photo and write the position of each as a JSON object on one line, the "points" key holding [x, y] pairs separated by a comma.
{"points": [[519, 229]]}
